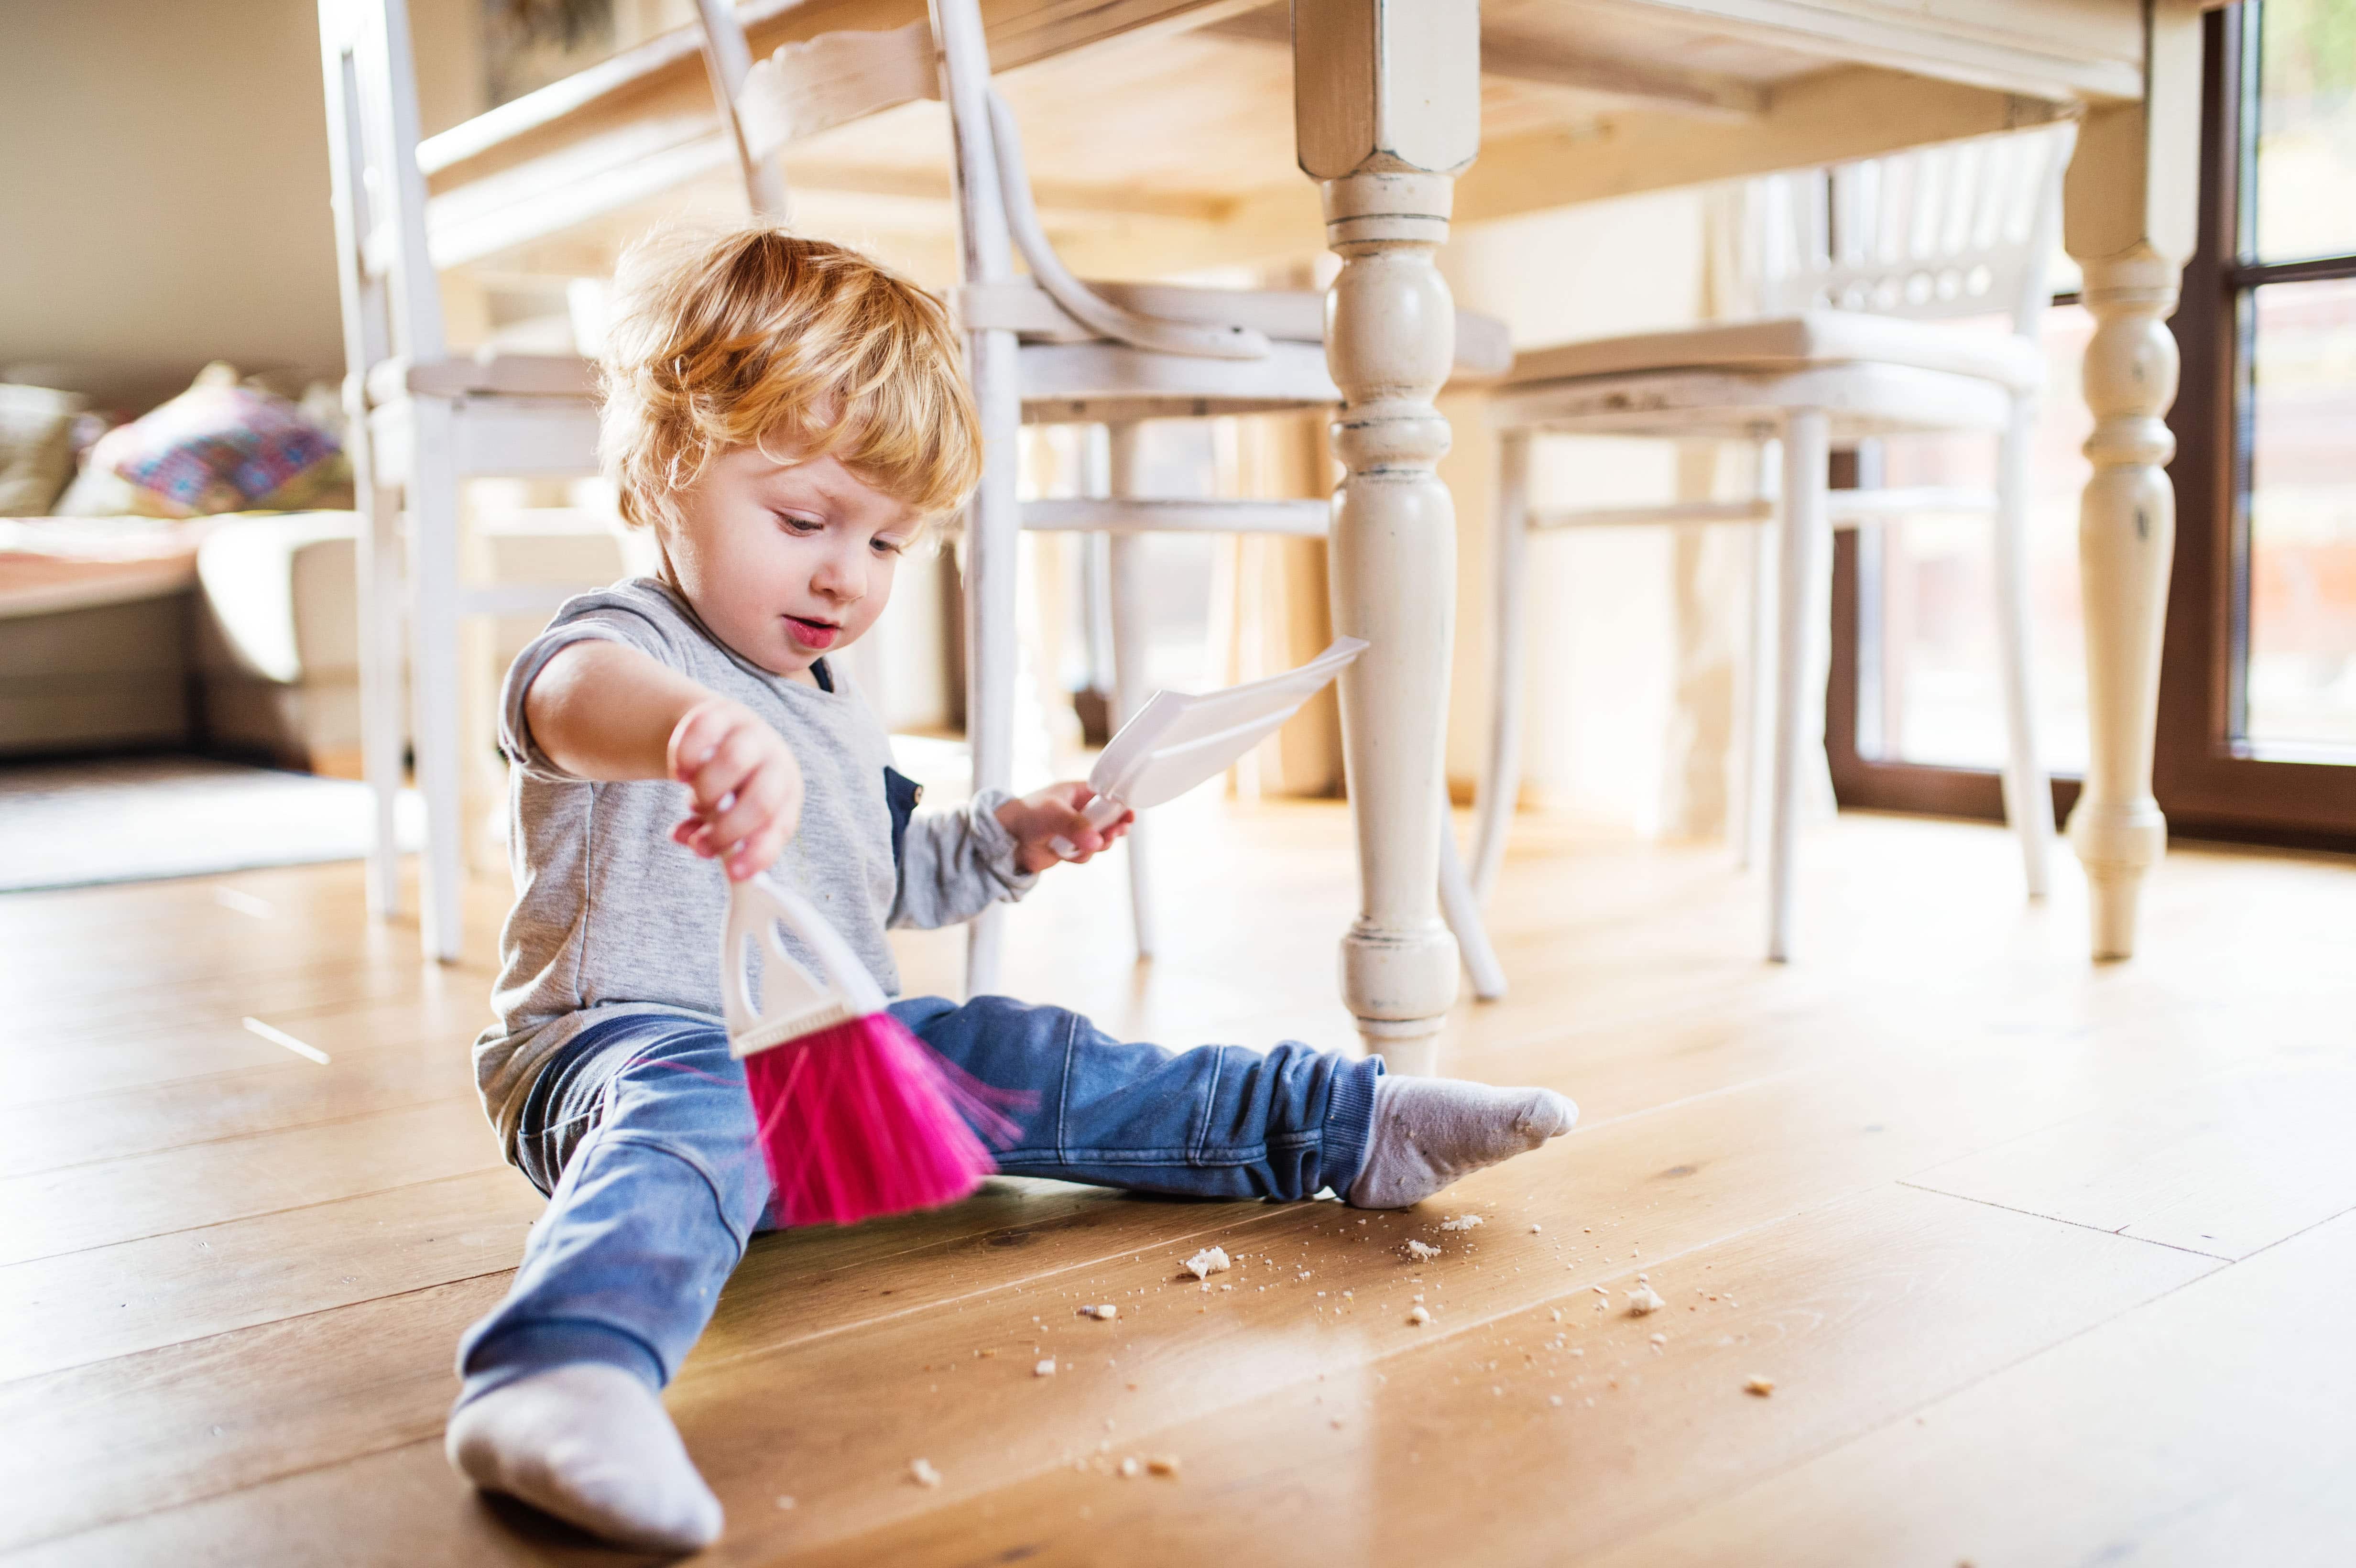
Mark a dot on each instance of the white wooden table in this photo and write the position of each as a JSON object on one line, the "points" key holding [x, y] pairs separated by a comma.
{"points": [[1387, 101]]}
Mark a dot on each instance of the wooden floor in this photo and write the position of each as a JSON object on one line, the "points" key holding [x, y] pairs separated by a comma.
{"points": [[2048, 1264]]}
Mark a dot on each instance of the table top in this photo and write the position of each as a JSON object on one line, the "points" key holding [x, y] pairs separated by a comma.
{"points": [[1159, 132]]}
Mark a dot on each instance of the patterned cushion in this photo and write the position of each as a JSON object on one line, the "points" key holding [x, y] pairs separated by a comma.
{"points": [[222, 447]]}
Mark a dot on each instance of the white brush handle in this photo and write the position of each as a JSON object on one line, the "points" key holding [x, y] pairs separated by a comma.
{"points": [[794, 1000], [1100, 813]]}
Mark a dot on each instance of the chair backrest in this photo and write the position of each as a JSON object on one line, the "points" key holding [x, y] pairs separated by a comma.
{"points": [[805, 88], [392, 303], [1958, 229], [836, 78]]}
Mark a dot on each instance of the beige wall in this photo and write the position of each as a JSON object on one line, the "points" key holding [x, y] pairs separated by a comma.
{"points": [[164, 186]]}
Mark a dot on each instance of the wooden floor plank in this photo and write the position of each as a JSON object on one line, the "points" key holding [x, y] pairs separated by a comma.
{"points": [[396, 1508], [243, 1178], [447, 1016], [283, 1093], [2213, 1426], [89, 1305], [338, 1385], [2226, 1166]]}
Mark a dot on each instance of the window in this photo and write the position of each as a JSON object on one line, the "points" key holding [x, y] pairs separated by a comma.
{"points": [[2257, 716]]}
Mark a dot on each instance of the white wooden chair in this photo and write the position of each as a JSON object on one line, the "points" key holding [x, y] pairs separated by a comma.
{"points": [[1861, 267], [420, 421], [1047, 349]]}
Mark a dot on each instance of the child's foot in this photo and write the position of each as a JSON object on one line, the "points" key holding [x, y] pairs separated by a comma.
{"points": [[1430, 1131], [591, 1445]]}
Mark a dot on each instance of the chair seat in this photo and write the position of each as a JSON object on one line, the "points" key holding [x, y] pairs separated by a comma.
{"points": [[1484, 350], [1861, 398], [487, 374], [1141, 515], [1110, 383], [1809, 339]]}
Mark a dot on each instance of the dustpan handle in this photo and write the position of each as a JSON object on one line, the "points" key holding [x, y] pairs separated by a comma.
{"points": [[756, 906]]}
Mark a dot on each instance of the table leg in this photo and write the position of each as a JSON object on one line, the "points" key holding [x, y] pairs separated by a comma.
{"points": [[2131, 205], [1387, 96]]}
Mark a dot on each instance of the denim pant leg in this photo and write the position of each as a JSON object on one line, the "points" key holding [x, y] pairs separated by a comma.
{"points": [[641, 1133], [1218, 1121]]}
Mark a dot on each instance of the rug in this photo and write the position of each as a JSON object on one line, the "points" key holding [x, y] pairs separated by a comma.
{"points": [[132, 819]]}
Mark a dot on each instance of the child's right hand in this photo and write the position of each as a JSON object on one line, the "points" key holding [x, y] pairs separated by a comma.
{"points": [[745, 788]]}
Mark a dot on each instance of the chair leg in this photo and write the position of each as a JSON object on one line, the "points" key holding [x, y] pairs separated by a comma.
{"points": [[2028, 794], [1131, 682], [433, 675], [1804, 593], [1502, 780], [1461, 910], [377, 563], [992, 562], [1751, 804]]}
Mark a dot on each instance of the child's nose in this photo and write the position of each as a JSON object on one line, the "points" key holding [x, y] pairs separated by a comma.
{"points": [[842, 579]]}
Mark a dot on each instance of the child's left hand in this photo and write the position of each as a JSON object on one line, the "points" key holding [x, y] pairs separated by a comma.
{"points": [[1039, 818]]}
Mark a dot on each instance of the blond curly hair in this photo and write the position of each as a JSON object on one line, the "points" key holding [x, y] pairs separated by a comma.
{"points": [[756, 337]]}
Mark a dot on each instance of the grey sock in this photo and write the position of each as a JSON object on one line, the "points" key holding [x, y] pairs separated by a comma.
{"points": [[593, 1445], [1430, 1131]]}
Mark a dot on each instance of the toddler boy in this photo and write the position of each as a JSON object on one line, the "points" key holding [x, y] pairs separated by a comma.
{"points": [[786, 416]]}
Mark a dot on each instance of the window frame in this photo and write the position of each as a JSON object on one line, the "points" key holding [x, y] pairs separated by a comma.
{"points": [[2210, 783]]}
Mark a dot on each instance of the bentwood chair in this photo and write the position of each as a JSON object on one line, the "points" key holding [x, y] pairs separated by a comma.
{"points": [[420, 420], [1046, 348], [1864, 268]]}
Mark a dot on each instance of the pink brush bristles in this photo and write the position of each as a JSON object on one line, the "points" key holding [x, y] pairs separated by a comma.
{"points": [[862, 1118]]}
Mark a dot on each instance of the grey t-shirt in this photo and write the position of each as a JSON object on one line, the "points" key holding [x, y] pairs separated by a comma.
{"points": [[613, 918]]}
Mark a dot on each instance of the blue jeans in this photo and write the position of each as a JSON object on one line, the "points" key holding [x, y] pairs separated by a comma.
{"points": [[641, 1134]]}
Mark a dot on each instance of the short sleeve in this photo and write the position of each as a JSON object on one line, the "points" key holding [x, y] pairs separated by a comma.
{"points": [[596, 617]]}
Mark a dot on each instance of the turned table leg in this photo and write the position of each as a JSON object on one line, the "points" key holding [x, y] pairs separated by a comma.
{"points": [[2131, 203], [2126, 534], [1388, 110]]}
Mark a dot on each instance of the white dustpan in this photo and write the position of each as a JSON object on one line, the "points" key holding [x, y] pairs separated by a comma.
{"points": [[794, 1002], [1178, 741]]}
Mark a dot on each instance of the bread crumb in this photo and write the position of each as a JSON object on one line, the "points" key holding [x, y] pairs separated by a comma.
{"points": [[1556, 1314], [1129, 1468], [1045, 1369], [1209, 1260], [1107, 1312], [921, 1471], [1535, 1229], [1554, 1399], [1419, 1316], [1462, 1222], [1420, 1251], [1643, 1299], [1162, 1465], [1763, 1387]]}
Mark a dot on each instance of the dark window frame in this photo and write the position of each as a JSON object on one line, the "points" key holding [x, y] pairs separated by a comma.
{"points": [[2210, 783]]}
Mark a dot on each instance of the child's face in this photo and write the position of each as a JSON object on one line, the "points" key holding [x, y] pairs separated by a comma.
{"points": [[786, 561]]}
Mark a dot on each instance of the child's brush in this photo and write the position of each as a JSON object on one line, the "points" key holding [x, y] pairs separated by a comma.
{"points": [[856, 1117]]}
